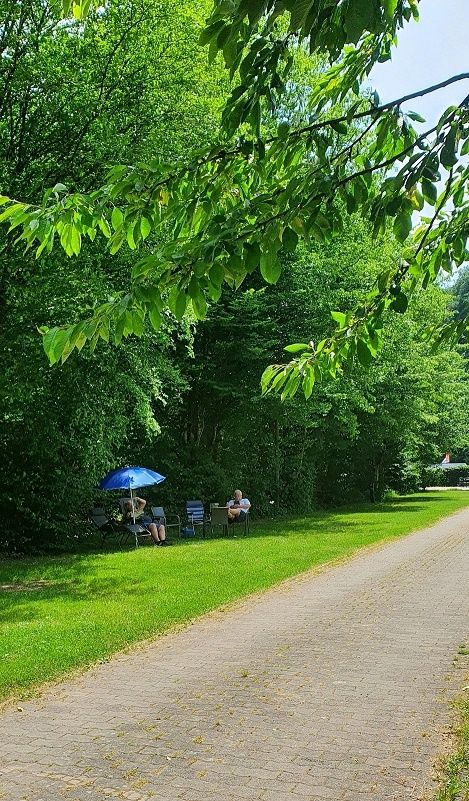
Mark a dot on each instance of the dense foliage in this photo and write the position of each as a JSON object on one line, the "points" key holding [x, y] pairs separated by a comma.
{"points": [[374, 429], [144, 87], [184, 395], [235, 208]]}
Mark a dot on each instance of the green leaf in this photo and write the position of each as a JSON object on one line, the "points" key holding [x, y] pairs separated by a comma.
{"points": [[359, 16], [429, 191], [254, 10], [351, 203], [75, 240], [194, 287], [383, 280], [298, 12], [54, 341], [339, 318], [180, 304], [116, 241], [77, 338], [291, 386], [253, 255], [80, 9], [210, 31], [340, 127], [117, 218], [66, 239], [200, 268], [130, 236], [360, 190], [128, 323], [267, 376], [155, 317], [11, 210], [448, 155], [138, 322], [217, 274], [289, 240], [389, 8], [199, 304], [143, 267], [213, 291], [308, 381], [416, 199], [416, 117], [119, 330], [297, 347], [270, 267], [230, 51], [400, 303], [104, 226], [255, 118], [298, 225], [402, 226], [145, 227], [364, 354], [104, 329]]}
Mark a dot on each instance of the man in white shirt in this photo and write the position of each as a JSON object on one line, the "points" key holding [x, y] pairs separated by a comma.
{"points": [[238, 507]]}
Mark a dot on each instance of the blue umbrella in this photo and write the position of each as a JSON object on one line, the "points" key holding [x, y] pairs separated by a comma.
{"points": [[130, 478]]}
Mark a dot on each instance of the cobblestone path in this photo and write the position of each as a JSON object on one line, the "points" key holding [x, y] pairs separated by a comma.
{"points": [[330, 686]]}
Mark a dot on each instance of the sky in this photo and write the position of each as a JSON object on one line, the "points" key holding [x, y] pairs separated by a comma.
{"points": [[429, 51]]}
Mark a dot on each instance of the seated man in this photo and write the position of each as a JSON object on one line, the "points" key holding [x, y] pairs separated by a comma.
{"points": [[238, 508], [157, 532]]}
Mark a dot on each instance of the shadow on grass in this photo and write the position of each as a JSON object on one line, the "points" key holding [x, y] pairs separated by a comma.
{"points": [[70, 577], [397, 504], [317, 521]]}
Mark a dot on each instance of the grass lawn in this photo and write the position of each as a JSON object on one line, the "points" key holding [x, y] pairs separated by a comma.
{"points": [[89, 606]]}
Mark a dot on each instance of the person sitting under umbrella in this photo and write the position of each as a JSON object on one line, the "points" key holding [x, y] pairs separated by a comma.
{"points": [[133, 509]]}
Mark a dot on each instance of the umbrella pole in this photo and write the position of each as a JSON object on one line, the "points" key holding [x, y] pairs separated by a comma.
{"points": [[132, 502]]}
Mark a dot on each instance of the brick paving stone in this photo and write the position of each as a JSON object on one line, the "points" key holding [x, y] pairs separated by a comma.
{"points": [[330, 686]]}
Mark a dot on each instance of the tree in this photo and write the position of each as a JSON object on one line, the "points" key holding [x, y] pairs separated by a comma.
{"points": [[61, 431], [352, 439], [461, 293], [234, 208]]}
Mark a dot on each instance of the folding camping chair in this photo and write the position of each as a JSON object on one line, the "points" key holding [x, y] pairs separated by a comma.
{"points": [[137, 530], [195, 515], [244, 523], [107, 526], [160, 517], [219, 517]]}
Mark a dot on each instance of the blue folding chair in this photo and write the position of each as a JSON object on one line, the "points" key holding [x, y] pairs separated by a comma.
{"points": [[195, 515]]}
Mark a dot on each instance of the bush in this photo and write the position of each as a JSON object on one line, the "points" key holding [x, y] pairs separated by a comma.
{"points": [[444, 476], [404, 478]]}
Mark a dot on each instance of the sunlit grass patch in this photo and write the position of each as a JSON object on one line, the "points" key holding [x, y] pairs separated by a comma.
{"points": [[61, 613]]}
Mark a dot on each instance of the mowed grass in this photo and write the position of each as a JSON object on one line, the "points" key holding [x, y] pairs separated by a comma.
{"points": [[61, 613]]}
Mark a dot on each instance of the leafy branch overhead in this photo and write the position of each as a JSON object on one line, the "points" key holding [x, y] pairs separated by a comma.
{"points": [[274, 180]]}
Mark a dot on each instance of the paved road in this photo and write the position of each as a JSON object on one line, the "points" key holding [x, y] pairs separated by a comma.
{"points": [[332, 686]]}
